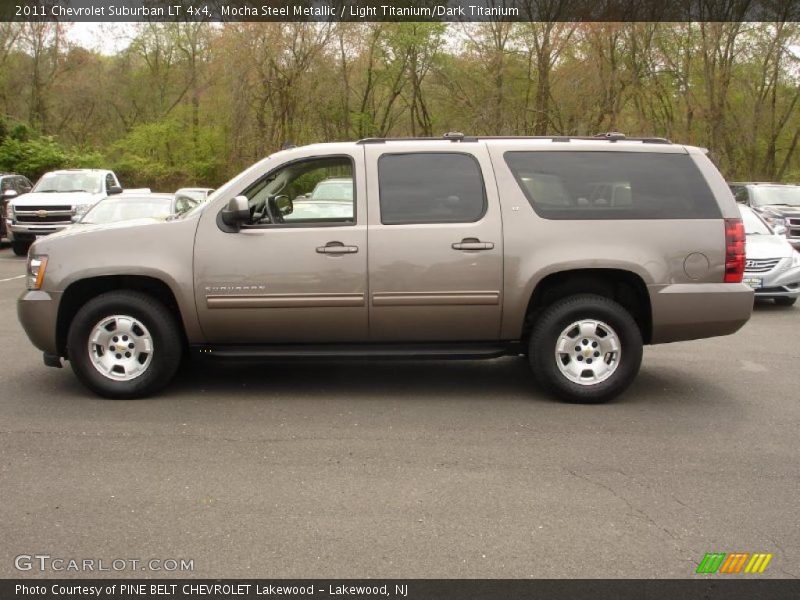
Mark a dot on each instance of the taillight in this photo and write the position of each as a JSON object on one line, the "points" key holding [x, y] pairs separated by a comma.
{"points": [[734, 250]]}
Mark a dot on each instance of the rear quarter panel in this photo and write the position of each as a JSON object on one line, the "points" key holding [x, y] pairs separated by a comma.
{"points": [[655, 250]]}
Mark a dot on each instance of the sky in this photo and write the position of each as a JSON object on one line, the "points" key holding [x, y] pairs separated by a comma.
{"points": [[107, 38]]}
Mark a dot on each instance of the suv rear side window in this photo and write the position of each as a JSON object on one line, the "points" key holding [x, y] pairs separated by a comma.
{"points": [[613, 185], [430, 187]]}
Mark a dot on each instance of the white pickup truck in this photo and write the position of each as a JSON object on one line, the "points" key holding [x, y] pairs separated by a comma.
{"points": [[54, 201]]}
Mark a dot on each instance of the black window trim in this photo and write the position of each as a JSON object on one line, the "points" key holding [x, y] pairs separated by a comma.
{"points": [[544, 215], [305, 224], [480, 174]]}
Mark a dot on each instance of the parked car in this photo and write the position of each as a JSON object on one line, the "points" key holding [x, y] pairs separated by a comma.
{"points": [[11, 186], [778, 204], [330, 198], [188, 197], [53, 201], [127, 207], [772, 267], [461, 247]]}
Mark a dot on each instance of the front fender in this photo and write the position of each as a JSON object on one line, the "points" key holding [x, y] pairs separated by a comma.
{"points": [[154, 249]]}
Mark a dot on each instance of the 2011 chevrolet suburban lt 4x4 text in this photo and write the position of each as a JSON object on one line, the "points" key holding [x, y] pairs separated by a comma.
{"points": [[571, 251]]}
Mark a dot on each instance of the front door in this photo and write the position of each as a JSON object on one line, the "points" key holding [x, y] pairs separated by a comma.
{"points": [[297, 272], [435, 243]]}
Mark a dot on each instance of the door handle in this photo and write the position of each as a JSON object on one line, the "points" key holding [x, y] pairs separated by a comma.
{"points": [[472, 244], [336, 248]]}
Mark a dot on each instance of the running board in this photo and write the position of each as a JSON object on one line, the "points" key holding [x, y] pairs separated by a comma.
{"points": [[466, 350]]}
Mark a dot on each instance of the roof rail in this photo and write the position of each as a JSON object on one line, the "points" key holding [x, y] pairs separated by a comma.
{"points": [[455, 136]]}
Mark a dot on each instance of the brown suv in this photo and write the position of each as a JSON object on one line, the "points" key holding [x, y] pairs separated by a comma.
{"points": [[573, 252]]}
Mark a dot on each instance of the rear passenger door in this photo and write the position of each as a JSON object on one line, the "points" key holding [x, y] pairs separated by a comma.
{"points": [[435, 243]]}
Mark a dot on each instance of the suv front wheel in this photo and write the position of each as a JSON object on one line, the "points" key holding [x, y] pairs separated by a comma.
{"points": [[20, 248], [124, 344], [585, 349]]}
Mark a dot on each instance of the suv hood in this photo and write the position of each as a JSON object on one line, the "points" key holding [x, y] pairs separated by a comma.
{"points": [[55, 199], [88, 229], [767, 246]]}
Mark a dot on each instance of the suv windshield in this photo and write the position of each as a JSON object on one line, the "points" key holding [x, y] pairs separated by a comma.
{"points": [[79, 181], [786, 195]]}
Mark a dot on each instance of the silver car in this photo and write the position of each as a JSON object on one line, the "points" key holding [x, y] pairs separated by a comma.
{"points": [[772, 266]]}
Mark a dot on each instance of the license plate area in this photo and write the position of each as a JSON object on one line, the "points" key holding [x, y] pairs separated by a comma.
{"points": [[754, 282]]}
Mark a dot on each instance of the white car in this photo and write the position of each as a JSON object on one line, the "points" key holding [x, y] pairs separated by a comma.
{"points": [[56, 198], [772, 265]]}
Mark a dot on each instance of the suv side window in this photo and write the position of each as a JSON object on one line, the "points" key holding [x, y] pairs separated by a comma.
{"points": [[612, 185], [315, 191], [7, 183], [430, 187], [110, 181]]}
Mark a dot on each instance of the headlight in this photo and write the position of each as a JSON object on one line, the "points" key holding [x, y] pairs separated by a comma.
{"points": [[36, 267], [796, 259], [774, 220], [9, 211], [81, 209]]}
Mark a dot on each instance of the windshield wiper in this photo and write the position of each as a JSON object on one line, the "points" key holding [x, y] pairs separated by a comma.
{"points": [[71, 191]]}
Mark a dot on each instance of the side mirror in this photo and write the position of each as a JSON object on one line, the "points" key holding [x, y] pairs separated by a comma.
{"points": [[114, 189], [236, 213], [8, 194], [282, 205]]}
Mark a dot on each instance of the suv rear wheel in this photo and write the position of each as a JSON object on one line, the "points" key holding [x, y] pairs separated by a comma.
{"points": [[585, 349], [124, 344]]}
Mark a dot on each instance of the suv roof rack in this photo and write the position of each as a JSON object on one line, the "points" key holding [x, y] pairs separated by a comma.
{"points": [[455, 136]]}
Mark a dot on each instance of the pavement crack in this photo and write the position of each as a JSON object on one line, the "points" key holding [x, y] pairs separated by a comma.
{"points": [[634, 510]]}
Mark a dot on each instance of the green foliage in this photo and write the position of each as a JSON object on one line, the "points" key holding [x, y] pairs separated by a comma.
{"points": [[33, 157], [161, 155], [193, 104]]}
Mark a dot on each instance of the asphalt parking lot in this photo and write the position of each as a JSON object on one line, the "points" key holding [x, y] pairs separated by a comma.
{"points": [[370, 469]]}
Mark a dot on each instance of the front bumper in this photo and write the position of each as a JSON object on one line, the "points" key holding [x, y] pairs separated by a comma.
{"points": [[691, 311], [778, 283], [38, 313], [18, 232]]}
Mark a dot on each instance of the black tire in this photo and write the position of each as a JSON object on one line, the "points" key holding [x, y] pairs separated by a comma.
{"points": [[159, 321], [785, 301], [21, 248], [555, 319]]}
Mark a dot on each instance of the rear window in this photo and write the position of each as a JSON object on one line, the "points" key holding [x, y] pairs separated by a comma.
{"points": [[613, 185], [430, 187]]}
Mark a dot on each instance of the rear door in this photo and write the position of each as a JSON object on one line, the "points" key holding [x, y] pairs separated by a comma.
{"points": [[435, 243]]}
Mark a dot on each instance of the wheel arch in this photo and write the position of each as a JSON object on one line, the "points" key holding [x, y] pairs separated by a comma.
{"points": [[81, 291], [621, 285]]}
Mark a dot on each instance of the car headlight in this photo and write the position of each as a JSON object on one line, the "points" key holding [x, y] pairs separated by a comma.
{"points": [[9, 211], [774, 220], [796, 259], [36, 267], [81, 209]]}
